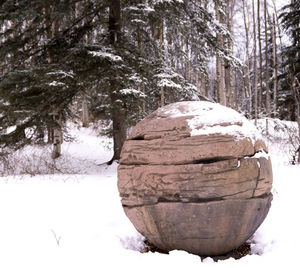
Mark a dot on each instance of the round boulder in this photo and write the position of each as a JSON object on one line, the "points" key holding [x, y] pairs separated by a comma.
{"points": [[195, 176]]}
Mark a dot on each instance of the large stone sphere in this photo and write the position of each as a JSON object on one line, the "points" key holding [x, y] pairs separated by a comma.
{"points": [[195, 176]]}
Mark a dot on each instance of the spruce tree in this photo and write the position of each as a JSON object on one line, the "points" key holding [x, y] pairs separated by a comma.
{"points": [[37, 38], [136, 48], [290, 19]]}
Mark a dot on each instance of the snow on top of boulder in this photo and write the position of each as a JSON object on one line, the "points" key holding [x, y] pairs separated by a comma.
{"points": [[212, 118]]}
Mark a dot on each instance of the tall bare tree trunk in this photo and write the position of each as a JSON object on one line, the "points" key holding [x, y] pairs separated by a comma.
{"points": [[140, 46], [56, 112], [227, 67], [85, 111], [141, 50], [248, 84], [48, 35], [255, 66], [278, 33], [268, 97], [118, 109], [220, 69], [161, 39], [260, 60], [203, 84], [275, 66], [218, 77], [57, 133], [187, 63], [233, 93], [277, 23]]}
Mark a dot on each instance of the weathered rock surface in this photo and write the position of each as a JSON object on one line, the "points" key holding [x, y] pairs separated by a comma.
{"points": [[195, 176]]}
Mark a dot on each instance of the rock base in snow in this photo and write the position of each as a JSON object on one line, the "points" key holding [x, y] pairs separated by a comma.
{"points": [[195, 176]]}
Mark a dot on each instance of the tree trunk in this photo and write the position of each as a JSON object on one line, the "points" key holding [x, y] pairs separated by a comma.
{"points": [[260, 60], [255, 66], [275, 66], [50, 135], [221, 90], [162, 96], [118, 110], [268, 97], [57, 134], [140, 46], [218, 75], [85, 111], [227, 67], [278, 25], [119, 126], [248, 84], [54, 135], [56, 112], [234, 92], [187, 60], [47, 37], [162, 48]]}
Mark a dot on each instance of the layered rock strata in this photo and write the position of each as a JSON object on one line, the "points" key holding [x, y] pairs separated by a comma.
{"points": [[195, 176]]}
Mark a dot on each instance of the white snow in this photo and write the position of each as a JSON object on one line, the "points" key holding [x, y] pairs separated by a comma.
{"points": [[64, 74], [132, 91], [107, 55], [167, 75], [138, 21], [259, 155], [167, 1], [56, 83], [136, 78], [168, 83], [148, 9], [207, 119], [76, 219], [11, 129]]}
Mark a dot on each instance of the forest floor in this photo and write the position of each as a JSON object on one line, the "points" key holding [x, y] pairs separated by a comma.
{"points": [[68, 213]]}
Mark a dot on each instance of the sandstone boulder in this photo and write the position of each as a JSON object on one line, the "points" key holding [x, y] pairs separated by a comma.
{"points": [[195, 176]]}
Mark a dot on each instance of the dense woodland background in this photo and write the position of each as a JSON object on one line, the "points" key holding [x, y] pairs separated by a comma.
{"points": [[117, 61]]}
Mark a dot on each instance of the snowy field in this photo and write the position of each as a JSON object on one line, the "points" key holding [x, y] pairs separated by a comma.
{"points": [[76, 220]]}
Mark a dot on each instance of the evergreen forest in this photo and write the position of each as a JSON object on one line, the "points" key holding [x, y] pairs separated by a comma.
{"points": [[118, 61]]}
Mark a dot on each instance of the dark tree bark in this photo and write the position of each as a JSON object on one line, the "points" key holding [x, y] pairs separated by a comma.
{"points": [[248, 82], [255, 66], [118, 111], [56, 110], [85, 110], [268, 97], [114, 26], [275, 66], [220, 64], [260, 59]]}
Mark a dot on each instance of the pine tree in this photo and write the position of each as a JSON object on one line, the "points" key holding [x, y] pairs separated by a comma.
{"points": [[47, 61], [290, 18], [37, 82]]}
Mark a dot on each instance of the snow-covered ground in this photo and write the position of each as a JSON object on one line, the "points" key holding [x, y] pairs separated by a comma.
{"points": [[76, 219]]}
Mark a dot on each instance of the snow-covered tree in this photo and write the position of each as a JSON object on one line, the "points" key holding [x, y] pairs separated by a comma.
{"points": [[290, 17], [128, 57]]}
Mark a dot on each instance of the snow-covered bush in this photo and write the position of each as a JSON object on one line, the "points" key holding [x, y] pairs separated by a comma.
{"points": [[282, 137]]}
